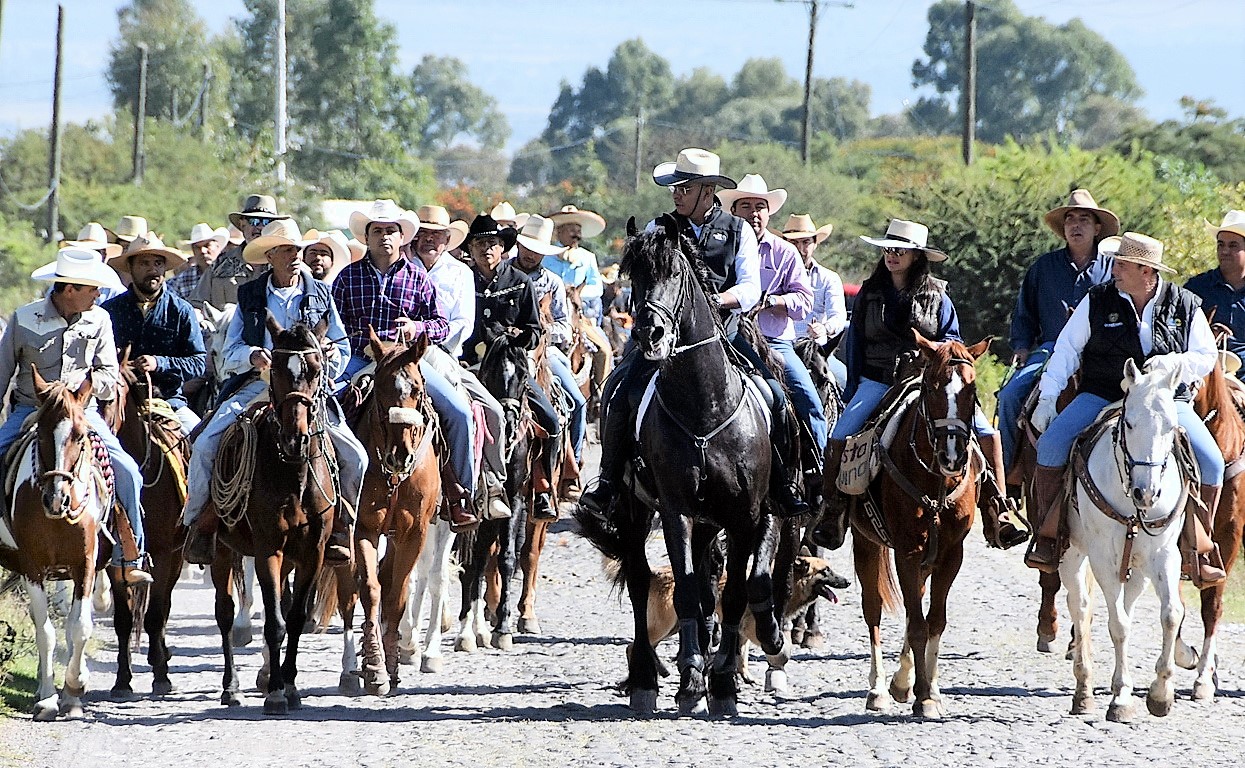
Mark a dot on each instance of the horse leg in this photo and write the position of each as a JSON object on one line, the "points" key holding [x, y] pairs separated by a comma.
{"points": [[243, 632], [1228, 537], [348, 682], [471, 635], [766, 607], [438, 587], [167, 569], [940, 587], [870, 573], [723, 691], [123, 625], [691, 661], [537, 533], [79, 625], [395, 573], [45, 641], [366, 553], [296, 621], [905, 675], [1121, 709], [1048, 617], [222, 580], [1162, 693], [101, 596], [417, 588], [912, 586], [271, 581], [1075, 574], [509, 545], [784, 570]]}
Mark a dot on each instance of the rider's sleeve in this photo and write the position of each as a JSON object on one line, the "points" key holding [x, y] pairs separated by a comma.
{"points": [[337, 346], [560, 333], [237, 355], [1202, 353], [836, 305], [593, 284], [747, 287], [8, 354], [1024, 320], [797, 292], [948, 321], [104, 370], [191, 360], [1066, 357]]}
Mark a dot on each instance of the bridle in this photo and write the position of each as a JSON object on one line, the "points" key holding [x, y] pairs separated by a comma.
{"points": [[316, 414], [1125, 463], [671, 316], [942, 431]]}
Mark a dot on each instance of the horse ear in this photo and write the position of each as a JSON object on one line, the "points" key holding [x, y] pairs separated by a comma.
{"points": [[41, 384], [415, 351], [125, 358], [924, 345], [274, 327], [1131, 374], [84, 390], [631, 228], [374, 341], [321, 329], [979, 349]]}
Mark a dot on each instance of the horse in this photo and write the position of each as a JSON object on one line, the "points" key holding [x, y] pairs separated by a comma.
{"points": [[1126, 484], [928, 498], [702, 464], [401, 493], [431, 578], [58, 509], [280, 513], [591, 356], [158, 445]]}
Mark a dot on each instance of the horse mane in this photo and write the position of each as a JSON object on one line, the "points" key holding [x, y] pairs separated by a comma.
{"points": [[1226, 426], [58, 395], [653, 255], [297, 338]]}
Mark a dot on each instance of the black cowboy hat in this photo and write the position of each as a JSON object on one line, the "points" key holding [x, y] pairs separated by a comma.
{"points": [[486, 226]]}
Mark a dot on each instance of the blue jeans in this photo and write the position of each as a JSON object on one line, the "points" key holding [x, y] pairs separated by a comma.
{"points": [[803, 394], [591, 308], [129, 479], [839, 371], [560, 366], [864, 403], [1012, 399]]}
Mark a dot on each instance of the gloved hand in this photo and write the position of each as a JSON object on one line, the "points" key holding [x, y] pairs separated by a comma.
{"points": [[1044, 414]]}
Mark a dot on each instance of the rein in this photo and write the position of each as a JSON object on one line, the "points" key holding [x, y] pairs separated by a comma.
{"points": [[82, 466]]}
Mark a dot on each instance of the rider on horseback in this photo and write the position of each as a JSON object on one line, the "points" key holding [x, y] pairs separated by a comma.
{"points": [[828, 318], [898, 297], [1221, 288], [1139, 317], [68, 338], [729, 250]]}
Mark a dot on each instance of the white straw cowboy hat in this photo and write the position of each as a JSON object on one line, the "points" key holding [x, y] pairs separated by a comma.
{"points": [[752, 185], [459, 228], [201, 232], [537, 235], [336, 242], [235, 235], [128, 228], [1141, 249], [504, 213], [590, 224], [907, 234], [357, 250], [1234, 222], [79, 266], [94, 237], [693, 166], [1230, 361], [1109, 246], [386, 211], [278, 232], [257, 207], [437, 219], [1081, 199], [800, 226], [149, 243]]}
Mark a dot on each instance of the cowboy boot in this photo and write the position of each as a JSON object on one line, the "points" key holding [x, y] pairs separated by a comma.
{"points": [[542, 505], [457, 502], [831, 530], [1210, 563], [1000, 532], [1048, 490], [783, 489], [340, 547], [200, 546], [615, 450]]}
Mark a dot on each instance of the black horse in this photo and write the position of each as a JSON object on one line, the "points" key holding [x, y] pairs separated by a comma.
{"points": [[703, 464]]}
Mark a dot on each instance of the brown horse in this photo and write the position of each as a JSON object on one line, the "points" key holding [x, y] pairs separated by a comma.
{"points": [[401, 492], [591, 355], [53, 532], [284, 509], [928, 495], [156, 442]]}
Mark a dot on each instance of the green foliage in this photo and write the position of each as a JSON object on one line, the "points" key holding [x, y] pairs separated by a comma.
{"points": [[18, 656], [455, 107], [20, 254], [1206, 137], [1189, 248]]}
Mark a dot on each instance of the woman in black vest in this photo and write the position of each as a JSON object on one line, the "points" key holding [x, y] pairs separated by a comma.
{"points": [[1103, 333]]}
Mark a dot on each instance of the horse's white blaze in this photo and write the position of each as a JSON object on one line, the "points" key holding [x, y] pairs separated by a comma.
{"points": [[404, 386], [60, 437], [295, 364], [507, 370], [953, 389]]}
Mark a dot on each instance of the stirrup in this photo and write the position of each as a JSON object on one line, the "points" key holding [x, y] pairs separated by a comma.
{"points": [[1043, 554]]}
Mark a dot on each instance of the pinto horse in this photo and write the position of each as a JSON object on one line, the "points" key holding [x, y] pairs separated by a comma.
{"points": [[703, 464], [58, 511], [928, 497], [401, 492], [284, 511]]}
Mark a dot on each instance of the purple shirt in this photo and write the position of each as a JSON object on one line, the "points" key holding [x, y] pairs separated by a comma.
{"points": [[782, 274], [366, 296]]}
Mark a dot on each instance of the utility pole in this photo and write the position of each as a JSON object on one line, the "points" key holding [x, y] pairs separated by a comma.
{"points": [[140, 116], [806, 131], [969, 102], [54, 165], [639, 143], [1, 14], [203, 100], [175, 110], [279, 147]]}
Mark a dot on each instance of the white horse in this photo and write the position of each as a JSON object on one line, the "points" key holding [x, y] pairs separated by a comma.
{"points": [[1124, 556], [431, 577]]}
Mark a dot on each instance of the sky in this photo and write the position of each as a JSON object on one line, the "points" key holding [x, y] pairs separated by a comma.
{"points": [[520, 51]]}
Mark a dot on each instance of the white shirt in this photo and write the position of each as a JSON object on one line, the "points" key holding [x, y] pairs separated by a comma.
{"points": [[747, 287], [456, 300], [1066, 359], [829, 306]]}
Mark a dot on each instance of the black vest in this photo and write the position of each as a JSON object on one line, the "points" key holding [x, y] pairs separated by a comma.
{"points": [[887, 335], [1113, 336], [316, 303], [719, 241]]}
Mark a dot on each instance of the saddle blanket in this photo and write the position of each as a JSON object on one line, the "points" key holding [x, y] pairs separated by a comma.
{"points": [[750, 388]]}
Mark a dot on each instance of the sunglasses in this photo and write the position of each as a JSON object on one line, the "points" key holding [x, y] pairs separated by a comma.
{"points": [[256, 221]]}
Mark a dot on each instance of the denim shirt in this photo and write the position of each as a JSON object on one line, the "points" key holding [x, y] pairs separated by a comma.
{"points": [[1228, 304], [1052, 287]]}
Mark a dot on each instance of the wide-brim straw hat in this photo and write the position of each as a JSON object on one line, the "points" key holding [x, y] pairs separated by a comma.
{"points": [[235, 235], [437, 219], [79, 266], [149, 243], [1234, 222], [800, 226], [537, 235], [336, 242], [278, 232], [201, 232], [458, 229], [752, 185], [486, 226], [1230, 361], [590, 224], [907, 234], [93, 237], [1140, 249], [128, 228], [693, 166], [257, 207], [1081, 199], [504, 213], [386, 211]]}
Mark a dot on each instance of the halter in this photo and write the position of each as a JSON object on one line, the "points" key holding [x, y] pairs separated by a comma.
{"points": [[79, 479], [315, 408], [1125, 464], [937, 430], [672, 315]]}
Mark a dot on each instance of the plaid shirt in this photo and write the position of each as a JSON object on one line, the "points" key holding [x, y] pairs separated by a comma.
{"points": [[185, 282], [366, 296]]}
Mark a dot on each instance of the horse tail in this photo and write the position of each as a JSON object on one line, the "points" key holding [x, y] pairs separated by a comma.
{"points": [[888, 587], [608, 539], [326, 598]]}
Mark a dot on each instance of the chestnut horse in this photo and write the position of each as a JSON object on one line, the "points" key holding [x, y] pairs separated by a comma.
{"points": [[401, 492], [928, 495], [53, 533], [284, 509]]}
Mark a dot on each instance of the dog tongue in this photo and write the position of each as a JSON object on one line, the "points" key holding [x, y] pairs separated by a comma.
{"points": [[828, 593]]}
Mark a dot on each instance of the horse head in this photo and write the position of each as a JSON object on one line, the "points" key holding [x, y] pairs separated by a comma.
{"points": [[1146, 430], [63, 444], [663, 283], [399, 400], [294, 385], [504, 371], [949, 399]]}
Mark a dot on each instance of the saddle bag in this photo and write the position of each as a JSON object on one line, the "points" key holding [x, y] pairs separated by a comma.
{"points": [[861, 462]]}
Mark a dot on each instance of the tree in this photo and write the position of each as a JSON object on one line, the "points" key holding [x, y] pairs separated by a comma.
{"points": [[1033, 77], [455, 106], [1205, 137]]}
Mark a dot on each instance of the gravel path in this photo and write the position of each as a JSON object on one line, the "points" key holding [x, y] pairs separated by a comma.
{"points": [[551, 701]]}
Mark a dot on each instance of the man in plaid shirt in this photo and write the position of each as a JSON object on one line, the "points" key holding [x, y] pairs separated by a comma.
{"points": [[205, 245]]}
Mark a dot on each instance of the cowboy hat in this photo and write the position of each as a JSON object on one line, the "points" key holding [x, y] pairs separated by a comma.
{"points": [[257, 207], [335, 241], [1109, 246], [907, 234], [235, 235], [128, 228], [94, 237], [201, 232], [504, 213], [486, 226], [459, 228], [800, 226], [609, 275], [1141, 249], [752, 185], [693, 166], [149, 243], [278, 232], [357, 249], [1230, 361], [78, 266], [437, 219], [590, 224], [537, 235], [387, 211], [1081, 199], [1234, 222]]}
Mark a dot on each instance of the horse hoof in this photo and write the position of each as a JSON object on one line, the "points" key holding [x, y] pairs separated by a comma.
{"points": [[813, 641], [1121, 713], [529, 626], [1083, 704], [1187, 657], [900, 693], [348, 684], [293, 699], [1044, 643], [72, 711], [724, 707], [1158, 707], [406, 658], [643, 702], [878, 702], [693, 707], [162, 688], [432, 664], [45, 710], [230, 699], [379, 688], [929, 709], [503, 641], [466, 644], [275, 704], [122, 693], [1203, 691], [240, 637], [484, 640], [261, 680], [776, 680]]}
